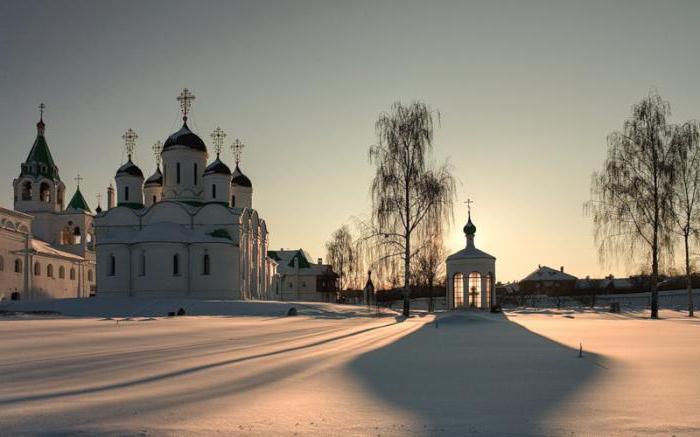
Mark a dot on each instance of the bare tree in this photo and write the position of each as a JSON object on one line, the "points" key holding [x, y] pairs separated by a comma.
{"points": [[430, 264], [341, 253], [687, 192], [409, 197], [632, 197]]}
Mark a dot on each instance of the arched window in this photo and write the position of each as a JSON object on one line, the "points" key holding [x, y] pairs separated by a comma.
{"points": [[458, 288], [176, 265], [206, 265], [27, 191], [213, 191], [475, 289], [37, 269], [45, 192], [126, 194], [154, 199], [195, 173], [77, 236], [177, 173], [112, 265], [61, 272], [488, 296], [89, 275], [49, 271], [142, 264], [72, 274], [18, 265], [233, 201], [66, 236]]}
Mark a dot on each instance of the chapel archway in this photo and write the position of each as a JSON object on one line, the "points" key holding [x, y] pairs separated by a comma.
{"points": [[458, 287], [475, 290]]}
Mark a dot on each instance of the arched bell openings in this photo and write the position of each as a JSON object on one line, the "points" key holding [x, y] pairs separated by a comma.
{"points": [[26, 191]]}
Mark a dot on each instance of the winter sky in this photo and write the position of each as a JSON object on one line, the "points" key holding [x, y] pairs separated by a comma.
{"points": [[527, 91]]}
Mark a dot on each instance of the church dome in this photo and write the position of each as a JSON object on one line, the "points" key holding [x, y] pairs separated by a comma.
{"points": [[156, 179], [469, 228], [217, 167], [185, 137], [240, 179], [130, 169]]}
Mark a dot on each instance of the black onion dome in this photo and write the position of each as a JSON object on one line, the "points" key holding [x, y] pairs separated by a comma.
{"points": [[130, 169], [217, 167], [155, 179], [240, 179], [185, 137]]}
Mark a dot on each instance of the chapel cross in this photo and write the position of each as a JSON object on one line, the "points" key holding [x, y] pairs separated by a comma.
{"points": [[157, 149], [469, 205], [237, 148], [129, 138], [41, 110], [99, 198], [77, 179], [218, 136], [185, 98]]}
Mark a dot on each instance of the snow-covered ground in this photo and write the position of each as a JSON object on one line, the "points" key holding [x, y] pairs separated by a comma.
{"points": [[335, 370]]}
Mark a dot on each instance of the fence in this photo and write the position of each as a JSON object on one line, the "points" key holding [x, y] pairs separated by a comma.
{"points": [[673, 299]]}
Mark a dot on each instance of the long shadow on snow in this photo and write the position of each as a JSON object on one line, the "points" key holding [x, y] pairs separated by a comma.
{"points": [[476, 373]]}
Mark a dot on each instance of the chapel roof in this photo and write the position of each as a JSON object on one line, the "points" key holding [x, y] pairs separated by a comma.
{"points": [[78, 202], [217, 167], [130, 169], [240, 179], [156, 179], [544, 273], [40, 155]]}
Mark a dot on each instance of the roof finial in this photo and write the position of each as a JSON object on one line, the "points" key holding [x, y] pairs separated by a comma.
{"points": [[469, 206], [40, 125], [185, 98], [157, 150], [129, 138], [77, 179], [218, 137], [41, 111], [237, 148]]}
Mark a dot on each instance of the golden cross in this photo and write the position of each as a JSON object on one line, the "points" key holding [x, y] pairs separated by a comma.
{"points": [[469, 204], [129, 138], [218, 136], [157, 150], [185, 98], [77, 179], [237, 148], [41, 110]]}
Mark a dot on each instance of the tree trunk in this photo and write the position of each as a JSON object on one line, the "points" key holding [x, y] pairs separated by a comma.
{"points": [[406, 278], [688, 278], [430, 296], [654, 279]]}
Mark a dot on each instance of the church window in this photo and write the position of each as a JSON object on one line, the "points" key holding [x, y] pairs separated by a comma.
{"points": [[27, 191], [458, 288], [233, 201], [77, 238], [37, 269], [303, 284], [142, 264], [45, 192], [154, 199], [72, 274], [112, 265], [206, 265], [176, 265], [61, 272], [126, 194], [49, 271], [90, 275], [213, 191], [177, 173], [18, 265], [475, 289], [195, 173]]}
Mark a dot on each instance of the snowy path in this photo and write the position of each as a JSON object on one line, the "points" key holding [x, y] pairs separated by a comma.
{"points": [[475, 373]]}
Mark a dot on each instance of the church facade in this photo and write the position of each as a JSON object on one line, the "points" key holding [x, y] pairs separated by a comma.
{"points": [[46, 247], [189, 230]]}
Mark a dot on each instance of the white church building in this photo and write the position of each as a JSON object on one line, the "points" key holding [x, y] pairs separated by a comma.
{"points": [[46, 246], [188, 231], [471, 275]]}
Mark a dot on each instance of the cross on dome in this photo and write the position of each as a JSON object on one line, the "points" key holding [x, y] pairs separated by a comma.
{"points": [[185, 98], [41, 111], [78, 179], [129, 138], [218, 137], [237, 148], [469, 205], [157, 149]]}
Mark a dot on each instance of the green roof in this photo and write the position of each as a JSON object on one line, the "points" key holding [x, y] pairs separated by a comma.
{"points": [[221, 233], [303, 262], [78, 202], [40, 161]]}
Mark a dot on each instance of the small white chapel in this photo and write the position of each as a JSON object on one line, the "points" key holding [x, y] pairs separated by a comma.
{"points": [[471, 274]]}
